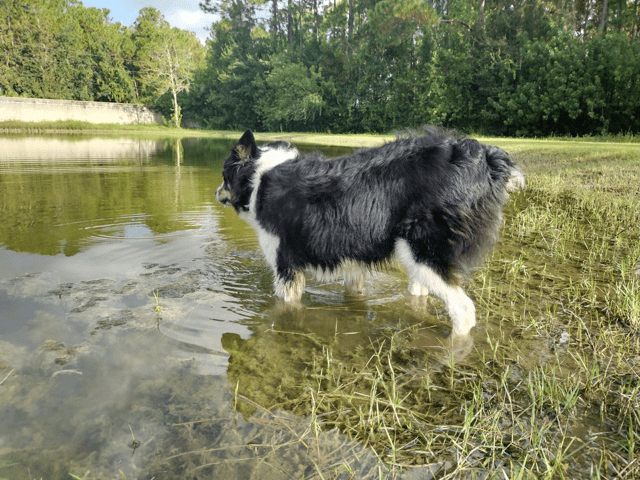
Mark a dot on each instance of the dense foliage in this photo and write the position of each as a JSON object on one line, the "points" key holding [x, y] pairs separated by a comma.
{"points": [[520, 67], [497, 66]]}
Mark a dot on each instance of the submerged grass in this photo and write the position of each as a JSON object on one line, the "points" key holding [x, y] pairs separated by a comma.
{"points": [[551, 388]]}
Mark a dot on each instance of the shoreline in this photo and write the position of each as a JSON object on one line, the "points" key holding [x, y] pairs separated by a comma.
{"points": [[154, 131], [355, 140]]}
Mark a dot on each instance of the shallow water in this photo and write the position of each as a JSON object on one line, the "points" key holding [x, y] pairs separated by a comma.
{"points": [[126, 291]]}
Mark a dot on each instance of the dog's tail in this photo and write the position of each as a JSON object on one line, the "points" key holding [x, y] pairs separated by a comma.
{"points": [[516, 181], [475, 227]]}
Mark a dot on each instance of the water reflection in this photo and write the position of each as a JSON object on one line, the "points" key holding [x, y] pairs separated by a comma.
{"points": [[56, 200], [29, 152]]}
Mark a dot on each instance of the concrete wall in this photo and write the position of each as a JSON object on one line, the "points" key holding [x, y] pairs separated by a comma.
{"points": [[40, 110]]}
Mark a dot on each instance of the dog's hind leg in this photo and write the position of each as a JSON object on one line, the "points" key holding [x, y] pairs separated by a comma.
{"points": [[354, 276], [416, 288], [424, 279]]}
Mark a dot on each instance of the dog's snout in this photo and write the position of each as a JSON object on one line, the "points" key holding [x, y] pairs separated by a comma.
{"points": [[223, 195]]}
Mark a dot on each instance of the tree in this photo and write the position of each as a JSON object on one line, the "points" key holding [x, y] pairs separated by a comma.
{"points": [[237, 50], [60, 49], [166, 58], [107, 46], [292, 96], [40, 52], [501, 67]]}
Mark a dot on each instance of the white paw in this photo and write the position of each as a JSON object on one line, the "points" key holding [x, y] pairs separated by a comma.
{"points": [[463, 315], [417, 289]]}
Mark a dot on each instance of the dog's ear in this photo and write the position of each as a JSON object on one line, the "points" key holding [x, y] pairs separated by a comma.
{"points": [[246, 147]]}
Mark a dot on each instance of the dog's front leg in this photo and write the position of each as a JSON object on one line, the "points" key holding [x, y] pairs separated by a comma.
{"points": [[288, 284]]}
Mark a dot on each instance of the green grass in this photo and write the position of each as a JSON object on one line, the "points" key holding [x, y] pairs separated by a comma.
{"points": [[530, 146], [73, 127]]}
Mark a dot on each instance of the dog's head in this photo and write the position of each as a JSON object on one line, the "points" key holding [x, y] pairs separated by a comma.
{"points": [[236, 174], [240, 167]]}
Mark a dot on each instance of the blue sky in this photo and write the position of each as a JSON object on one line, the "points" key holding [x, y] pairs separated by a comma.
{"points": [[184, 14]]}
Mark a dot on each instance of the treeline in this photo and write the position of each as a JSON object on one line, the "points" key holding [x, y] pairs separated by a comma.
{"points": [[523, 67]]}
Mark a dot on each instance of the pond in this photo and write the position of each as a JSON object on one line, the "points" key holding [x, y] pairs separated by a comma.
{"points": [[126, 294]]}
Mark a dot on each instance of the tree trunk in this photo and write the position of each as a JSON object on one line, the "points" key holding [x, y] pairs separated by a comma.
{"points": [[350, 21], [603, 19], [481, 5], [290, 22], [274, 23], [176, 107], [316, 19]]}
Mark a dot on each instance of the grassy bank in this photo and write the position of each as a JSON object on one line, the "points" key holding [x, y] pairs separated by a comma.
{"points": [[85, 128], [566, 147], [72, 127]]}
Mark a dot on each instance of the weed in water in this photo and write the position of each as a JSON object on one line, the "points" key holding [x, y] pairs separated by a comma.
{"points": [[157, 308]]}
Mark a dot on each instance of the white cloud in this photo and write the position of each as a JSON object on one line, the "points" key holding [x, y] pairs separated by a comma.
{"points": [[190, 17], [193, 20]]}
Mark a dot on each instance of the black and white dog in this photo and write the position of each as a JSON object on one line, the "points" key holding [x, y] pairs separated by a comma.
{"points": [[431, 201]]}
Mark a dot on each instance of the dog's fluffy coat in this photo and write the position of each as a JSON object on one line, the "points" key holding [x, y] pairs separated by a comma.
{"points": [[432, 201]]}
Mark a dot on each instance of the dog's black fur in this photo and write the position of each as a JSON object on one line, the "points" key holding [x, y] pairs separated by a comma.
{"points": [[439, 195]]}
